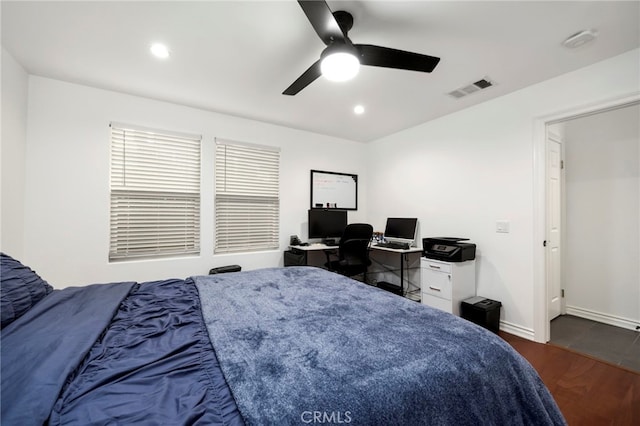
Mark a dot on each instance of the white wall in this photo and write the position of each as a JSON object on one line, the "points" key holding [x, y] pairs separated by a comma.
{"points": [[12, 154], [461, 173], [602, 252], [457, 174], [67, 186]]}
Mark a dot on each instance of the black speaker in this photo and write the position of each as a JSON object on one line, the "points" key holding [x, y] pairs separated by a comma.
{"points": [[225, 269]]}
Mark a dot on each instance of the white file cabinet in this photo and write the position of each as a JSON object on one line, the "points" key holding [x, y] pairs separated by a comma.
{"points": [[445, 284]]}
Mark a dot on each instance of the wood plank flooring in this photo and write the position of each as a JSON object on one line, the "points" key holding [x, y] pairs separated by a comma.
{"points": [[588, 391]]}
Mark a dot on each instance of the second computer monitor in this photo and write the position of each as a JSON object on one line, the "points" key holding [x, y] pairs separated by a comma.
{"points": [[327, 223], [400, 230]]}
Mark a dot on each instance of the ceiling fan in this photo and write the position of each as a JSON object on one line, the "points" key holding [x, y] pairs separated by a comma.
{"points": [[332, 27]]}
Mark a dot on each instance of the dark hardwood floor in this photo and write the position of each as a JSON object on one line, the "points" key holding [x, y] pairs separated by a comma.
{"points": [[588, 391]]}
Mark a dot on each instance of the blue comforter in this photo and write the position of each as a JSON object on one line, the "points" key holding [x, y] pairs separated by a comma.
{"points": [[290, 346], [297, 344]]}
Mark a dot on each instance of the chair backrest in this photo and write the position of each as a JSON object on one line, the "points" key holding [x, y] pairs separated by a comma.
{"points": [[354, 244]]}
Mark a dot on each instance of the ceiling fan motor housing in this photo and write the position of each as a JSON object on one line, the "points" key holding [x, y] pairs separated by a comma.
{"points": [[332, 28], [344, 19]]}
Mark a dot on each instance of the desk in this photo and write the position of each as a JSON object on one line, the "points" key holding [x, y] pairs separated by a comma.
{"points": [[403, 253], [314, 247], [320, 246]]}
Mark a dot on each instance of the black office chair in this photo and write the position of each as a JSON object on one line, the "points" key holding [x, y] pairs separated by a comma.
{"points": [[353, 251]]}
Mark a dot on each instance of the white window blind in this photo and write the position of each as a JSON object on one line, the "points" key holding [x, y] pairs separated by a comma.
{"points": [[247, 202], [155, 193]]}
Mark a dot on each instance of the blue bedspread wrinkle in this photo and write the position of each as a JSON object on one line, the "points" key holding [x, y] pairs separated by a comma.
{"points": [[42, 347], [154, 365], [123, 353], [301, 345]]}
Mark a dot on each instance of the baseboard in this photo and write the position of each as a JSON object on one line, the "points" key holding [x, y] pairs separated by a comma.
{"points": [[603, 318], [517, 330]]}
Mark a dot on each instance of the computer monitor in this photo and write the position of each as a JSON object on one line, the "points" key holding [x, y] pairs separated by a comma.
{"points": [[327, 223], [400, 230]]}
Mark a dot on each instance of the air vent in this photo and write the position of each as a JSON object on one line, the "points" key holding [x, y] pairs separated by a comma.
{"points": [[483, 84], [457, 94], [472, 88]]}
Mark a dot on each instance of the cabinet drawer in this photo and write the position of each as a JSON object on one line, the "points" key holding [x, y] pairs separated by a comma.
{"points": [[434, 265], [436, 302], [436, 283]]}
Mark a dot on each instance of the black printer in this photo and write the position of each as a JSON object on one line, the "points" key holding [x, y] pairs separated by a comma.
{"points": [[450, 249]]}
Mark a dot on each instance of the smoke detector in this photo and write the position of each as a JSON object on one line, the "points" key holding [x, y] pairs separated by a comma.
{"points": [[579, 39]]}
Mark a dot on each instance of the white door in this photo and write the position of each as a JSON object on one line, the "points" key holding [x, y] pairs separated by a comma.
{"points": [[553, 224]]}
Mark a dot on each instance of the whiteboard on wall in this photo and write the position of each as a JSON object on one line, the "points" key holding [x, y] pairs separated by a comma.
{"points": [[334, 190]]}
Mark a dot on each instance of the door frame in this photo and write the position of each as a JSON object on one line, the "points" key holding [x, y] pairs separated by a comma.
{"points": [[541, 322]]}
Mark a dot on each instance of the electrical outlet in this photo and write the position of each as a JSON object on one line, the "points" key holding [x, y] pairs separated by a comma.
{"points": [[502, 226]]}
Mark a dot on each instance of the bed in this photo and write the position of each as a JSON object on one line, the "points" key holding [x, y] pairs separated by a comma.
{"points": [[296, 345]]}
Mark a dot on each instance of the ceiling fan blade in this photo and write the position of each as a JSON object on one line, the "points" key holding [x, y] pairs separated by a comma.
{"points": [[323, 21], [304, 80], [393, 58]]}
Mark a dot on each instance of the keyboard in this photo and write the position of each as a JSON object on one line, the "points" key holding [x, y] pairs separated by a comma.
{"points": [[397, 246]]}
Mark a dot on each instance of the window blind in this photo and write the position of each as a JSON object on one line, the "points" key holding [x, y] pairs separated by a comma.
{"points": [[247, 201], [155, 193]]}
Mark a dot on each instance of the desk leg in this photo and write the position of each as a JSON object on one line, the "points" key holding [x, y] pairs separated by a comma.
{"points": [[402, 274]]}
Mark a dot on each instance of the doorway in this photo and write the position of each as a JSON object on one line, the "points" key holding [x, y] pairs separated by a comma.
{"points": [[543, 294], [597, 218], [600, 210]]}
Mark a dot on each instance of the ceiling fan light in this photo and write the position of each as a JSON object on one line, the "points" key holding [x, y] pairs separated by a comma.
{"points": [[339, 66]]}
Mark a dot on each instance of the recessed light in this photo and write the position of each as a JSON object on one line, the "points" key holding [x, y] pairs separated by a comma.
{"points": [[159, 50], [358, 109]]}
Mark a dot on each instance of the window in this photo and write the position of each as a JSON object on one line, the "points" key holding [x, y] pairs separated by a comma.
{"points": [[155, 193], [247, 201]]}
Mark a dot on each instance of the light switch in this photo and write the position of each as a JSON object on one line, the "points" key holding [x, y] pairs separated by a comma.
{"points": [[502, 226]]}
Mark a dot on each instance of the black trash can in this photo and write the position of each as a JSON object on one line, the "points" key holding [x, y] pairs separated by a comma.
{"points": [[295, 258], [482, 311]]}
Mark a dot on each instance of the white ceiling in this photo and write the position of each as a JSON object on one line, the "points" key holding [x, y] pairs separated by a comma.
{"points": [[236, 57]]}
